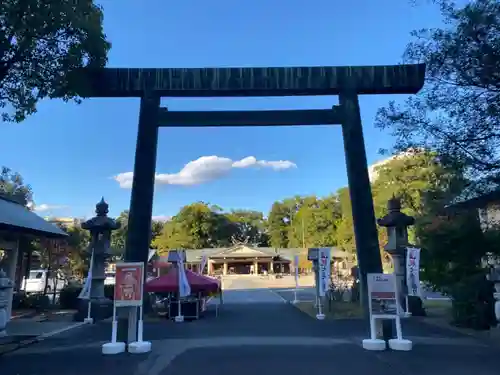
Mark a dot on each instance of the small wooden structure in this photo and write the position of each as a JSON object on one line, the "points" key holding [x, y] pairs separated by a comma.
{"points": [[17, 222]]}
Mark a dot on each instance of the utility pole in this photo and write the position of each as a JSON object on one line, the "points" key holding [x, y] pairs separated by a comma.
{"points": [[303, 235]]}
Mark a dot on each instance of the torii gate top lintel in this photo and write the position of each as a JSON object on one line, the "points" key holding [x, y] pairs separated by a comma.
{"points": [[238, 82]]}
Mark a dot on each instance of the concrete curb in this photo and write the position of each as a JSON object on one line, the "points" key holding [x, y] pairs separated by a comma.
{"points": [[28, 342], [479, 335]]}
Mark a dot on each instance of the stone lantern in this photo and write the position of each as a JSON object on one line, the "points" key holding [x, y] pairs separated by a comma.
{"points": [[397, 224], [100, 228], [494, 277], [6, 285]]}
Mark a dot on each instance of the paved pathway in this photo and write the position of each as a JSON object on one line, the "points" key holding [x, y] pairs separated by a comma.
{"points": [[268, 337]]}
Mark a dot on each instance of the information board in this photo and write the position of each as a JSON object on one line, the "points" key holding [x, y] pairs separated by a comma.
{"points": [[382, 295], [129, 283]]}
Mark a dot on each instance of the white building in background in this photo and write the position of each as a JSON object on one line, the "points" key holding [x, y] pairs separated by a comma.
{"points": [[372, 169], [66, 221]]}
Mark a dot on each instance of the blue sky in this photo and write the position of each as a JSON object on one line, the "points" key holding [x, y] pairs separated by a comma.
{"points": [[69, 153]]}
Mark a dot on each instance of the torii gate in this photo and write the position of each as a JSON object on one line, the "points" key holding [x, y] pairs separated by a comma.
{"points": [[346, 82]]}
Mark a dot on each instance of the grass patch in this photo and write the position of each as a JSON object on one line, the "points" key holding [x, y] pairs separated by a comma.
{"points": [[437, 308], [338, 310]]}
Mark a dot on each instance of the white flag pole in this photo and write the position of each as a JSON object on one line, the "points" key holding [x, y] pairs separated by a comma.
{"points": [[179, 318], [85, 293], [89, 277], [296, 259]]}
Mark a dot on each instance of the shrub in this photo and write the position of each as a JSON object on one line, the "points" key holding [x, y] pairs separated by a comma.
{"points": [[39, 302], [19, 300], [68, 297], [109, 291], [473, 303]]}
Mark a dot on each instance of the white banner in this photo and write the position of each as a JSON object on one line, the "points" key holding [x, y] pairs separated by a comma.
{"points": [[184, 287], [204, 260], [296, 265], [85, 293], [324, 270], [413, 271]]}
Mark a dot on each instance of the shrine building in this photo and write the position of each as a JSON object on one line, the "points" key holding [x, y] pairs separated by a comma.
{"points": [[243, 259]]}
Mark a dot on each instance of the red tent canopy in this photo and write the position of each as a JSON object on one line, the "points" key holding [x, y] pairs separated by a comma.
{"points": [[170, 283]]}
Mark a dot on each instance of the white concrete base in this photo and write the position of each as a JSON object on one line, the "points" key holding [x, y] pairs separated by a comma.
{"points": [[402, 345], [113, 348], [295, 301], [320, 316], [406, 315], [138, 347], [88, 321], [179, 319], [374, 344]]}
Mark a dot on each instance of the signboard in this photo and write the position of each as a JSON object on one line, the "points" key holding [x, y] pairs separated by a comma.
{"points": [[323, 270], [176, 256], [413, 271], [382, 292], [129, 280], [312, 254]]}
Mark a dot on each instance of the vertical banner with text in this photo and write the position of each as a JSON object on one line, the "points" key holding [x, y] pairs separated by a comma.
{"points": [[413, 271], [323, 270]]}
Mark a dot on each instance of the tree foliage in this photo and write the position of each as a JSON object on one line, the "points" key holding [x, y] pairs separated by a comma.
{"points": [[41, 43], [457, 114], [13, 186]]}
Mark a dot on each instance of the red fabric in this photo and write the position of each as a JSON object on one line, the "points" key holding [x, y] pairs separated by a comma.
{"points": [[170, 283]]}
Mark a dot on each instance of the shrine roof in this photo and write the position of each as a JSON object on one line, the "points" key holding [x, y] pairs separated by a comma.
{"points": [[15, 218]]}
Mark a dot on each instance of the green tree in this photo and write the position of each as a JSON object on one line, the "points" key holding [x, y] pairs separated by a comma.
{"points": [[453, 248], [457, 114], [249, 226], [13, 186], [78, 241], [281, 220], [196, 226], [41, 43], [345, 229], [156, 228], [119, 236], [277, 225], [416, 177]]}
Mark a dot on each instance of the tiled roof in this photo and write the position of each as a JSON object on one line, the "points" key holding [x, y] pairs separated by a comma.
{"points": [[16, 218], [195, 255]]}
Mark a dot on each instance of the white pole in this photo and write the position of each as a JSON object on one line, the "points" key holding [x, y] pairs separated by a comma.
{"points": [[320, 315], [296, 261], [407, 312], [88, 310], [89, 319], [114, 326], [140, 324]]}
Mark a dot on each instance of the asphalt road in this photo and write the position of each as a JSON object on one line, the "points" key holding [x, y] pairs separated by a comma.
{"points": [[256, 332]]}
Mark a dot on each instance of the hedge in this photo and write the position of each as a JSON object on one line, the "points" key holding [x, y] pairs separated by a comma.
{"points": [[68, 299]]}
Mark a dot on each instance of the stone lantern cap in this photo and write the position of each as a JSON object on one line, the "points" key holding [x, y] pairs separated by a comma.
{"points": [[395, 218], [101, 221]]}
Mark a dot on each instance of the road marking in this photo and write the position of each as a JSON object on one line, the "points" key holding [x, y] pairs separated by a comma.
{"points": [[291, 290], [281, 297], [61, 330]]}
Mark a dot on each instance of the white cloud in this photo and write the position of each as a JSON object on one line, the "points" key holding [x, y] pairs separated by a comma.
{"points": [[205, 169], [47, 207], [162, 218]]}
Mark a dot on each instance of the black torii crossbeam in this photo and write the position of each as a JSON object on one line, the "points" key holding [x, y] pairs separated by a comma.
{"points": [[347, 82]]}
